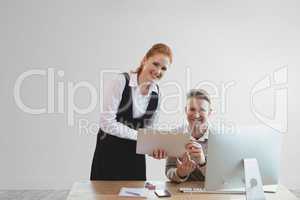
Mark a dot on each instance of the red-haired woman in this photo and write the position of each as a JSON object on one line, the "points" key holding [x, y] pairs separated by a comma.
{"points": [[131, 103]]}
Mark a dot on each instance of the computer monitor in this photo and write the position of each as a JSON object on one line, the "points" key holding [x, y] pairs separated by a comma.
{"points": [[227, 151]]}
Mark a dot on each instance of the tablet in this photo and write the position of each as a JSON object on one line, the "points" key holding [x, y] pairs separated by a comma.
{"points": [[172, 142]]}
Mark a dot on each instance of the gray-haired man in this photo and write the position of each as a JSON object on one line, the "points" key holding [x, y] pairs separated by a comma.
{"points": [[191, 166]]}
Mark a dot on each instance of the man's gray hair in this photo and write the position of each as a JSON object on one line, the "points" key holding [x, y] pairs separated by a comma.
{"points": [[199, 93]]}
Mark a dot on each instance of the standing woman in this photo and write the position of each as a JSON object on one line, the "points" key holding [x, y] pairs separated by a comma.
{"points": [[131, 103]]}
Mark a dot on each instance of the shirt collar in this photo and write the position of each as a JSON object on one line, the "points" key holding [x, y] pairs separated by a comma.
{"points": [[133, 82], [204, 136]]}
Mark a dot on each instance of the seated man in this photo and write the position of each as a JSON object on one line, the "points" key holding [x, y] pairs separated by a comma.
{"points": [[191, 166]]}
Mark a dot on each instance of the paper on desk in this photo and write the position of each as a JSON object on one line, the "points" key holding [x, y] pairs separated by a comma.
{"points": [[133, 192]]}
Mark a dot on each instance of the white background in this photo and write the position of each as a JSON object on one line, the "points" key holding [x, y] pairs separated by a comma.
{"points": [[218, 41]]}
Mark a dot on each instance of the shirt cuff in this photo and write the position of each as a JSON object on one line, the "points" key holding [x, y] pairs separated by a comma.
{"points": [[177, 178], [132, 135]]}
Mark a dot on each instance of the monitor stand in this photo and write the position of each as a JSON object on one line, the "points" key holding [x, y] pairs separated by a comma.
{"points": [[254, 187]]}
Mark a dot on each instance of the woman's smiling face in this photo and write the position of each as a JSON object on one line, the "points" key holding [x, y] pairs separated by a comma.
{"points": [[155, 66]]}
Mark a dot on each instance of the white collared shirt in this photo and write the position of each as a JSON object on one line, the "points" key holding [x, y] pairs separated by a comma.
{"points": [[111, 101]]}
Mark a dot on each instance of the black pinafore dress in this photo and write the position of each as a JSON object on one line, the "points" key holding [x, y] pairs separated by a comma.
{"points": [[115, 158]]}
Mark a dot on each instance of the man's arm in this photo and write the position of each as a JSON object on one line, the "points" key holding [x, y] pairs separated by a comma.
{"points": [[170, 171]]}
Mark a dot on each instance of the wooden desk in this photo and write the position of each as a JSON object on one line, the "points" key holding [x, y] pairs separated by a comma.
{"points": [[98, 190]]}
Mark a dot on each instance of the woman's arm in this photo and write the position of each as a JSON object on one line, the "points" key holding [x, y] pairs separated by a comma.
{"points": [[112, 97]]}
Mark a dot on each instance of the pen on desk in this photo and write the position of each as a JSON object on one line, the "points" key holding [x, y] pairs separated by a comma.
{"points": [[133, 193]]}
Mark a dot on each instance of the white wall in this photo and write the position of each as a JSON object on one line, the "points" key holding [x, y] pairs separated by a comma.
{"points": [[217, 41]]}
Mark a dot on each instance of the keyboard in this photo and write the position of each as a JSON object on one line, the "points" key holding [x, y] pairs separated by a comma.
{"points": [[204, 191], [267, 189]]}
